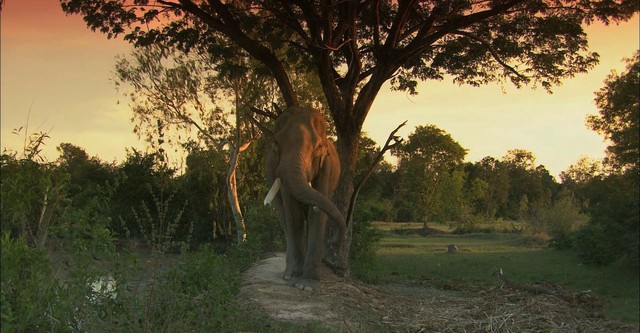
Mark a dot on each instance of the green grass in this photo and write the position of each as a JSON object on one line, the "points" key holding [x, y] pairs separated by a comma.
{"points": [[424, 259]]}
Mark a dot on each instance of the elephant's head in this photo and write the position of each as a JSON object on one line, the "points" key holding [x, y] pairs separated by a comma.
{"points": [[305, 160]]}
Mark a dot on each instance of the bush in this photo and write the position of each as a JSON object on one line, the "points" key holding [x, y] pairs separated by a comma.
{"points": [[595, 244], [33, 197], [612, 234], [558, 220], [159, 226], [374, 209], [196, 295], [264, 232], [364, 245], [32, 300]]}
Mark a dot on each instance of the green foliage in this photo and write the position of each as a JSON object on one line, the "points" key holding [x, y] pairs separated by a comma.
{"points": [[426, 169], [363, 258], [550, 39], [373, 209], [613, 200], [204, 185], [612, 234], [529, 185], [89, 178], [264, 231], [130, 187], [30, 296], [33, 193], [197, 294], [489, 199], [618, 118], [557, 220]]}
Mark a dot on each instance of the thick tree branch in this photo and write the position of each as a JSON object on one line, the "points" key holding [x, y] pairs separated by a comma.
{"points": [[230, 27], [288, 17]]}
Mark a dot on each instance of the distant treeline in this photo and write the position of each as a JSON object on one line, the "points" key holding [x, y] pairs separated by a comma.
{"points": [[591, 210]]}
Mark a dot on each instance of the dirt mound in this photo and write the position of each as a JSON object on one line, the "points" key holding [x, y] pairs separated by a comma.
{"points": [[349, 306]]}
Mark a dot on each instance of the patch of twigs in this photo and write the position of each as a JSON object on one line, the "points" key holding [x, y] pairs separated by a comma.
{"points": [[511, 307]]}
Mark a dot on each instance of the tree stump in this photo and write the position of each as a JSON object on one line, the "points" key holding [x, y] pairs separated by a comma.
{"points": [[452, 249]]}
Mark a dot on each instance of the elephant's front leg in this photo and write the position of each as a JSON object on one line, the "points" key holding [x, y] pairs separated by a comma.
{"points": [[315, 246], [292, 218]]}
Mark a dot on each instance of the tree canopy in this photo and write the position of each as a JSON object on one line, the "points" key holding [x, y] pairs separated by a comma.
{"points": [[356, 46]]}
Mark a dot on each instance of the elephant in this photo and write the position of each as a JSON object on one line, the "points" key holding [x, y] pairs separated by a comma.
{"points": [[302, 170]]}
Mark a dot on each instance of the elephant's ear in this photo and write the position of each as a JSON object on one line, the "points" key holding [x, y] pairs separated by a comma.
{"points": [[320, 125], [324, 153]]}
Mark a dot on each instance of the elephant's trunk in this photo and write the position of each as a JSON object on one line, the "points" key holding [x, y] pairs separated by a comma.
{"points": [[300, 189]]}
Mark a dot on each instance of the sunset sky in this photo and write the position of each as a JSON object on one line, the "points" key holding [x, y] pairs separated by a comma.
{"points": [[53, 65]]}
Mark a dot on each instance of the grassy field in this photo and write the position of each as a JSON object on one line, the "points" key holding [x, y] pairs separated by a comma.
{"points": [[410, 258]]}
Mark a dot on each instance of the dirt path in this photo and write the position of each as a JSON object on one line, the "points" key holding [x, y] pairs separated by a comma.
{"points": [[349, 306]]}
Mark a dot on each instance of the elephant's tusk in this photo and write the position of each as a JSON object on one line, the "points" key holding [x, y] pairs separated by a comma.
{"points": [[272, 192]]}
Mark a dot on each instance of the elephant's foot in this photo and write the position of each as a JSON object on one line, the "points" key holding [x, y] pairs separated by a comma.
{"points": [[304, 284], [290, 273]]}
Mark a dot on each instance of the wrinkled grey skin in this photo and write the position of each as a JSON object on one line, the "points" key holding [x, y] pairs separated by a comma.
{"points": [[301, 155]]}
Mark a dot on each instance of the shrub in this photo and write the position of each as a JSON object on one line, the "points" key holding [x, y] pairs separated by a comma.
{"points": [[159, 229], [32, 300], [196, 295], [364, 245], [374, 209], [557, 220], [612, 234], [594, 244], [33, 197], [264, 232]]}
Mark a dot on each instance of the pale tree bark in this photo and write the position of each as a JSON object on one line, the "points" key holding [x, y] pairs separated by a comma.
{"points": [[232, 194], [232, 189]]}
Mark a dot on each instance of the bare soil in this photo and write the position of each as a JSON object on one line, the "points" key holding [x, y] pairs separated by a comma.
{"points": [[346, 305]]}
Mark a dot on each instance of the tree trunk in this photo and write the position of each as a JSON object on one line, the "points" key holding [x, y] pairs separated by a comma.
{"points": [[232, 189], [337, 255]]}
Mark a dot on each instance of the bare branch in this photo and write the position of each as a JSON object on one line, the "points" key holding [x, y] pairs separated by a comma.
{"points": [[263, 128], [265, 113], [387, 145]]}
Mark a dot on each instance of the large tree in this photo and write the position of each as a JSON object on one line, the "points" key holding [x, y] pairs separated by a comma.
{"points": [[427, 162], [356, 46]]}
